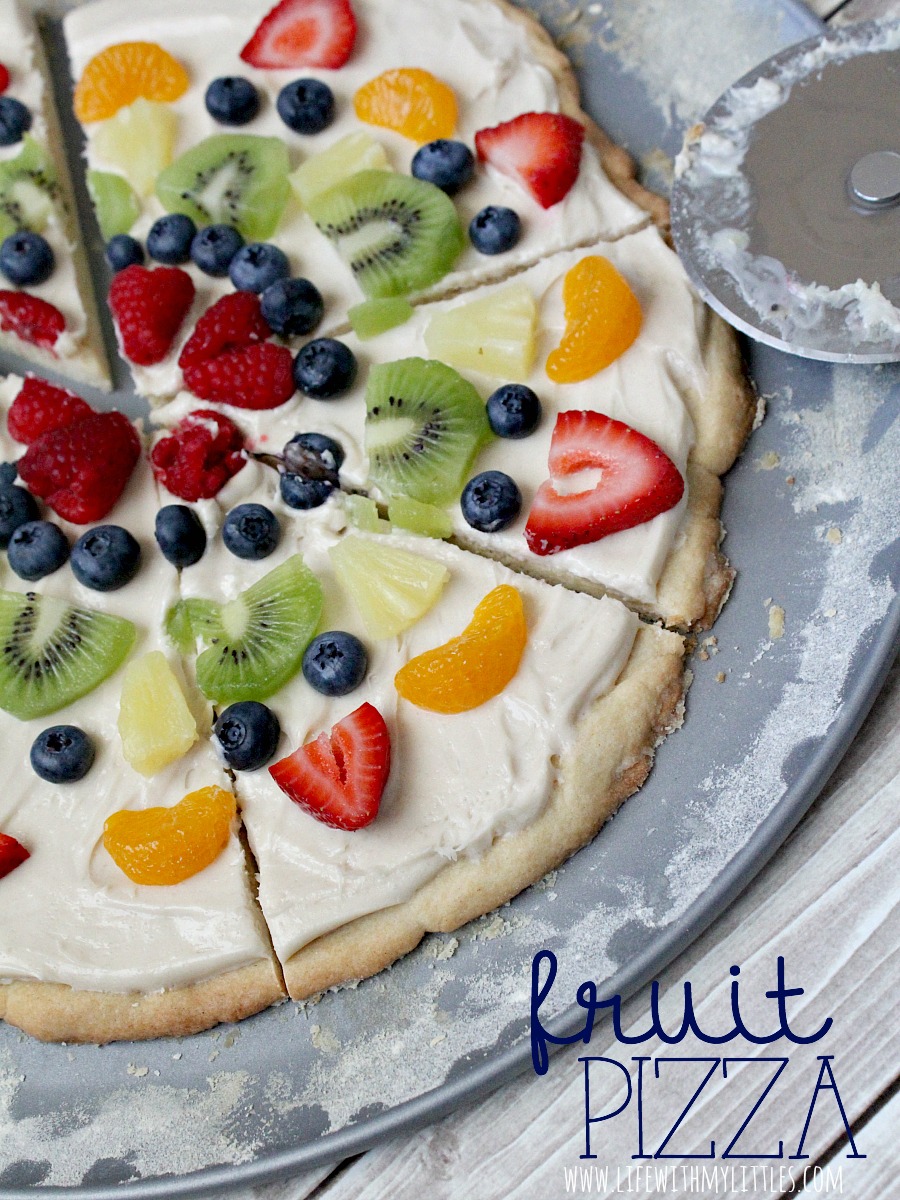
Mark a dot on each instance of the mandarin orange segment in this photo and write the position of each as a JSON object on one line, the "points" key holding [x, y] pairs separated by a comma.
{"points": [[126, 72], [471, 669], [410, 101], [603, 318], [165, 846]]}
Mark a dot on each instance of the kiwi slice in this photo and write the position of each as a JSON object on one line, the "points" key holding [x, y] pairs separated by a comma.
{"points": [[425, 425], [54, 652], [256, 642], [236, 179], [115, 202], [372, 317], [398, 234], [28, 190]]}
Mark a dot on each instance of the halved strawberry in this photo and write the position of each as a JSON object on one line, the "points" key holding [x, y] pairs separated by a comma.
{"points": [[40, 408], [12, 854], [639, 481], [541, 151], [303, 33], [340, 777]]}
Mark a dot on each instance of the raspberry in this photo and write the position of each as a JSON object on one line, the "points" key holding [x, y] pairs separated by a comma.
{"points": [[82, 469], [231, 323], [4, 78], [31, 319], [149, 307], [202, 453], [40, 408], [256, 377]]}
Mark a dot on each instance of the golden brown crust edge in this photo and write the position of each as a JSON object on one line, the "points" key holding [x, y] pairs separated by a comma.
{"points": [[53, 1012], [610, 760], [617, 162]]}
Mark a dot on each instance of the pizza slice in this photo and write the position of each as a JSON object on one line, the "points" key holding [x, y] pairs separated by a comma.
{"points": [[47, 308], [132, 913], [438, 145]]}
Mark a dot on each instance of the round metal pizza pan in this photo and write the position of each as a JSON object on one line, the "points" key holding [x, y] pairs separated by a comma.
{"points": [[811, 512]]}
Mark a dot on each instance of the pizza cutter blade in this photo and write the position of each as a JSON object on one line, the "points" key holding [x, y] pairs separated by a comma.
{"points": [[786, 203]]}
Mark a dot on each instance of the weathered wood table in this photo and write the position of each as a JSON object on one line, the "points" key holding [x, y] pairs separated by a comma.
{"points": [[828, 902]]}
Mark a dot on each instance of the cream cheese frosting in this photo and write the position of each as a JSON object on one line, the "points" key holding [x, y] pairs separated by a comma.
{"points": [[78, 351], [647, 387], [473, 45], [78, 919], [458, 782]]}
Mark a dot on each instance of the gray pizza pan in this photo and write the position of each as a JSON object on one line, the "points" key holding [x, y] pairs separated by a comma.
{"points": [[812, 518]]}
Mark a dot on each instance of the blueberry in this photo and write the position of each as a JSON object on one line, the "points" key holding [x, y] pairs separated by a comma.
{"points": [[304, 494], [232, 100], [16, 508], [257, 266], [124, 251], [26, 258], [15, 121], [169, 240], [315, 449], [248, 734], [180, 535], [514, 411], [214, 248], [292, 307], [105, 558], [62, 754], [495, 230], [36, 549], [491, 502], [9, 473], [448, 165], [324, 368], [306, 105], [335, 663], [251, 531]]}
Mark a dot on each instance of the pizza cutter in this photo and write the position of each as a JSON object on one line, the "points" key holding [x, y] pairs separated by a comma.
{"points": [[786, 203]]}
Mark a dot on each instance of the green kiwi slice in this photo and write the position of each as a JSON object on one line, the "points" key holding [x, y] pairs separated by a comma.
{"points": [[425, 425], [28, 190], [255, 643], [237, 179], [54, 652], [397, 234]]}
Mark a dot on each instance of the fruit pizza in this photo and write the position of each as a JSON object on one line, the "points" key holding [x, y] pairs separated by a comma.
{"points": [[352, 644], [47, 308]]}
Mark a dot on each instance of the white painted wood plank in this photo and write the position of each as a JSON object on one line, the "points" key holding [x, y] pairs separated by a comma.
{"points": [[823, 8], [297, 1188], [828, 902], [880, 1139]]}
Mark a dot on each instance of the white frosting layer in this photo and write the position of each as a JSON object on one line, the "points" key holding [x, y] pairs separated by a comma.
{"points": [[457, 783], [78, 919], [645, 387], [471, 44], [18, 55]]}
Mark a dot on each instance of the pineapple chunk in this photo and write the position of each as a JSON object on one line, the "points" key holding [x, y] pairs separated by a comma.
{"points": [[140, 141], [495, 336], [155, 723], [353, 153], [392, 588]]}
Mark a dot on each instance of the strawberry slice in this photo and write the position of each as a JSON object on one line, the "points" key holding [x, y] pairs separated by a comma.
{"points": [[12, 854], [40, 408], [31, 319], [639, 482], [540, 151], [303, 33], [340, 777]]}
